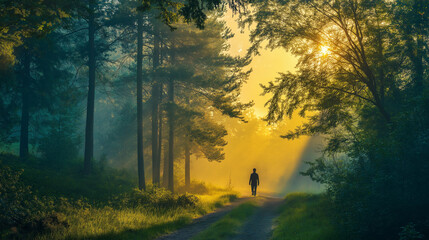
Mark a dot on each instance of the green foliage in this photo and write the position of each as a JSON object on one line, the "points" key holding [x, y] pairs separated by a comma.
{"points": [[195, 188], [67, 180], [409, 232], [102, 206], [17, 204], [67, 205], [23, 19], [171, 11], [306, 216], [125, 219], [362, 82], [59, 146], [155, 197], [23, 213], [206, 80]]}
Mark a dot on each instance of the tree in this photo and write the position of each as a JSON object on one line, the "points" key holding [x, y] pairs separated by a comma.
{"points": [[359, 83], [411, 21], [172, 11], [171, 121], [156, 88], [39, 72], [202, 78], [89, 127], [338, 45], [105, 32], [39, 86], [140, 160], [25, 19]]}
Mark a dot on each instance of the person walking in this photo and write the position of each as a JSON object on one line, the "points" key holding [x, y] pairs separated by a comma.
{"points": [[254, 181]]}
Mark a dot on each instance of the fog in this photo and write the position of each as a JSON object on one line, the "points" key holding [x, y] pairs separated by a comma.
{"points": [[250, 145], [256, 145]]}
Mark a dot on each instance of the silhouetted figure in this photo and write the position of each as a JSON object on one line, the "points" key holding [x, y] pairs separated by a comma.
{"points": [[254, 181]]}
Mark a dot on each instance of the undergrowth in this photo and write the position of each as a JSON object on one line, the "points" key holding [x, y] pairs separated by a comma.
{"points": [[37, 202], [306, 217]]}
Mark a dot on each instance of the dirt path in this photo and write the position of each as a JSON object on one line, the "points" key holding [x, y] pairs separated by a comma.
{"points": [[258, 227], [202, 223], [260, 224]]}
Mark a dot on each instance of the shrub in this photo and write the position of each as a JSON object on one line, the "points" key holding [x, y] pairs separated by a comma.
{"points": [[155, 197], [23, 212], [195, 188], [17, 204], [409, 232]]}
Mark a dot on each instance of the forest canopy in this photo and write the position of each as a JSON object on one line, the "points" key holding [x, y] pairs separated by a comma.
{"points": [[88, 86], [361, 82]]}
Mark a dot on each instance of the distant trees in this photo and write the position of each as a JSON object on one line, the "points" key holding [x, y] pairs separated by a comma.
{"points": [[23, 23], [41, 80], [361, 81], [128, 50], [200, 78]]}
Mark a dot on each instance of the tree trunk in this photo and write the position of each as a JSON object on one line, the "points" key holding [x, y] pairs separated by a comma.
{"points": [[165, 169], [160, 118], [155, 108], [171, 135], [418, 65], [155, 99], [25, 115], [187, 164], [140, 159], [89, 130]]}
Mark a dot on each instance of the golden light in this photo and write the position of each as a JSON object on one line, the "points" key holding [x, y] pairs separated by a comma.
{"points": [[275, 159], [324, 50]]}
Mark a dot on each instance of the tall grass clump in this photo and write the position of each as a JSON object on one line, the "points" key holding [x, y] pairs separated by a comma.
{"points": [[306, 217]]}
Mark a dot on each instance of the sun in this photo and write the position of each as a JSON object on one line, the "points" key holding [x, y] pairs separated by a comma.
{"points": [[324, 50]]}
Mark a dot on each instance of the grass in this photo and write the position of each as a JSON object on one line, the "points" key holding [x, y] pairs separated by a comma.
{"points": [[132, 223], [306, 217], [68, 181], [105, 205], [229, 225]]}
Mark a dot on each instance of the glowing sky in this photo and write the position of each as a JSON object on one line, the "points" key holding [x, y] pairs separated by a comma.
{"points": [[276, 159], [265, 66]]}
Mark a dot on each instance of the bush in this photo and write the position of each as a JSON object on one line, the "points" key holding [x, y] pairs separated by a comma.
{"points": [[409, 232], [195, 188], [17, 204], [155, 197], [59, 148], [22, 212]]}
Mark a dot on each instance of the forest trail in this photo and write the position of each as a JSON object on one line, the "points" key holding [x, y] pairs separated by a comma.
{"points": [[200, 224], [259, 225]]}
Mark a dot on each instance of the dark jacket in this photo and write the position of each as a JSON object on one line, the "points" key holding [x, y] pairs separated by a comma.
{"points": [[254, 179]]}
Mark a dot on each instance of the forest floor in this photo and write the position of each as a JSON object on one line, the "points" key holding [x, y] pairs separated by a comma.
{"points": [[298, 216], [61, 203], [247, 218]]}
